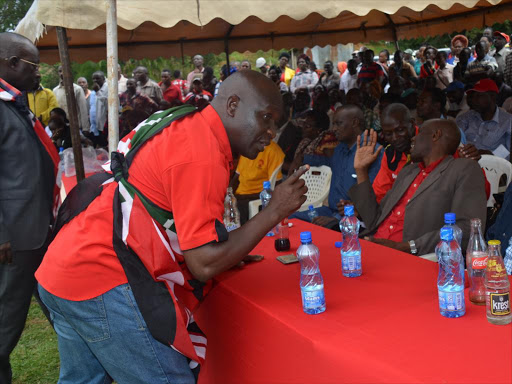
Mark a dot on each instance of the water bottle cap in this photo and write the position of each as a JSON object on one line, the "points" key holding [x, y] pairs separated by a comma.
{"points": [[61, 149], [305, 237], [447, 233], [449, 218], [311, 207], [494, 242], [338, 244], [348, 210], [266, 184]]}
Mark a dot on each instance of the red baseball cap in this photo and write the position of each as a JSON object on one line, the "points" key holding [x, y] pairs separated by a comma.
{"points": [[484, 85], [504, 35]]}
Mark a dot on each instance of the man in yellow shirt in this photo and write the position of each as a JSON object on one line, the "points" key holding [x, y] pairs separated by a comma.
{"points": [[250, 175], [41, 101]]}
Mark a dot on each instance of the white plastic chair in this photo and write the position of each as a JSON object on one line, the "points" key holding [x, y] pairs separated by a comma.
{"points": [[318, 181], [254, 205], [495, 167]]}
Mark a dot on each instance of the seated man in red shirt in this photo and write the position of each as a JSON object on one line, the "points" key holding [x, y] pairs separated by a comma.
{"points": [[197, 96], [410, 215], [130, 264]]}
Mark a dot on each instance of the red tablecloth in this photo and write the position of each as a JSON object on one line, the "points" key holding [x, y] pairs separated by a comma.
{"points": [[384, 326]]}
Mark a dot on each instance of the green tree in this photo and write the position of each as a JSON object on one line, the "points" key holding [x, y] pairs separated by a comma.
{"points": [[11, 12]]}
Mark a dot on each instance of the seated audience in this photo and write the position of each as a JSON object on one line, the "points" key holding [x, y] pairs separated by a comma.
{"points": [[486, 125], [483, 66], [456, 96], [409, 217], [348, 124], [197, 96]]}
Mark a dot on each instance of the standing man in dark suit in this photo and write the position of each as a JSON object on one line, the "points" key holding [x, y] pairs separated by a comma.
{"points": [[28, 162], [410, 215]]}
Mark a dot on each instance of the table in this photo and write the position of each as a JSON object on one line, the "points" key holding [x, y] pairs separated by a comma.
{"points": [[382, 327]]}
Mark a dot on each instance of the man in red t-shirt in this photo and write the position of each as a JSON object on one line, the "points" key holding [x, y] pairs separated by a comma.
{"points": [[411, 214], [183, 171], [171, 93]]}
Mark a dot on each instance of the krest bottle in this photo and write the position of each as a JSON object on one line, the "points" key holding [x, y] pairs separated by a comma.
{"points": [[497, 287], [350, 248], [476, 261], [311, 281], [450, 281]]}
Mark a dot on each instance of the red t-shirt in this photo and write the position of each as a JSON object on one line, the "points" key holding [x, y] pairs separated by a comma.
{"points": [[172, 93], [174, 170], [392, 228]]}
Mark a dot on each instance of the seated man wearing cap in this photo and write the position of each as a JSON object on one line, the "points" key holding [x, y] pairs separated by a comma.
{"points": [[197, 96], [456, 98], [487, 126], [500, 41]]}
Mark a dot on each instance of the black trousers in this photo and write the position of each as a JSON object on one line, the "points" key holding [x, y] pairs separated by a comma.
{"points": [[17, 285]]}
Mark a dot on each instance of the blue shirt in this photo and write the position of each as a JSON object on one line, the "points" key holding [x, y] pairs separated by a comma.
{"points": [[343, 172], [487, 135]]}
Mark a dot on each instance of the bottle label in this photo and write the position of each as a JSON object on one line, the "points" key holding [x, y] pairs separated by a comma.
{"points": [[500, 304], [479, 262], [312, 299], [496, 270], [351, 263], [451, 301]]}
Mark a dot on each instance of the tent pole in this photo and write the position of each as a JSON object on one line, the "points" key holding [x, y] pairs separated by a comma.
{"points": [[112, 76], [226, 45], [393, 29], [62, 40]]}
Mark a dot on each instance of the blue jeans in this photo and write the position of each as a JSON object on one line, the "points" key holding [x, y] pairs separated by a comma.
{"points": [[106, 338]]}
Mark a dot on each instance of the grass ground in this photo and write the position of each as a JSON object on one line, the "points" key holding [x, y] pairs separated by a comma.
{"points": [[36, 357]]}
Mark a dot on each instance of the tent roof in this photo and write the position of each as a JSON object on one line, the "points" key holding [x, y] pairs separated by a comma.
{"points": [[251, 25]]}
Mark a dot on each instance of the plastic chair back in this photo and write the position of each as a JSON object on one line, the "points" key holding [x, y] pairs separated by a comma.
{"points": [[495, 167], [318, 181]]}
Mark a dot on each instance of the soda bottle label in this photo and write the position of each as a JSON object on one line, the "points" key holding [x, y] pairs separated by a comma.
{"points": [[500, 304], [496, 270], [232, 227], [479, 262], [312, 299], [451, 301]]}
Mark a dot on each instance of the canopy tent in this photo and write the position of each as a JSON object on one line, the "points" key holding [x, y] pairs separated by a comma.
{"points": [[153, 28]]}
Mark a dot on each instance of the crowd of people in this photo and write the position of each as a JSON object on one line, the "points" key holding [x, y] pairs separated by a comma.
{"points": [[402, 138]]}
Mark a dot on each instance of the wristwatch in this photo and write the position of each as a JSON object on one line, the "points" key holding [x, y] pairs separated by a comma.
{"points": [[412, 244]]}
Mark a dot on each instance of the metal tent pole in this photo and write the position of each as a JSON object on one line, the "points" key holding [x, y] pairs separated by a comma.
{"points": [[112, 76]]}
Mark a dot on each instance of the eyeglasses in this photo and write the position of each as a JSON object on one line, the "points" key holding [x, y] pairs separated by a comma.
{"points": [[36, 66]]}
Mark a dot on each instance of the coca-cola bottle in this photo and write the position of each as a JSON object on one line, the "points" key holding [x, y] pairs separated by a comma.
{"points": [[476, 261], [497, 287]]}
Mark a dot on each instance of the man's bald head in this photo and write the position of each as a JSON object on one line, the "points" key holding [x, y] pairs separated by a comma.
{"points": [[249, 105], [19, 61], [348, 123], [436, 139]]}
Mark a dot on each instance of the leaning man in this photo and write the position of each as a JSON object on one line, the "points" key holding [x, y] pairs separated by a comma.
{"points": [[122, 292]]}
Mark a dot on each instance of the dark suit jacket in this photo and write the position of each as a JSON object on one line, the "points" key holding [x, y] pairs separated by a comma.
{"points": [[26, 182], [455, 185]]}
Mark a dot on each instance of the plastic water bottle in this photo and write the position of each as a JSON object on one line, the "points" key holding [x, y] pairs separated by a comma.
{"points": [[231, 212], [497, 287], [450, 282], [351, 248], [311, 281], [449, 220], [508, 258], [476, 261], [265, 197], [312, 213]]}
